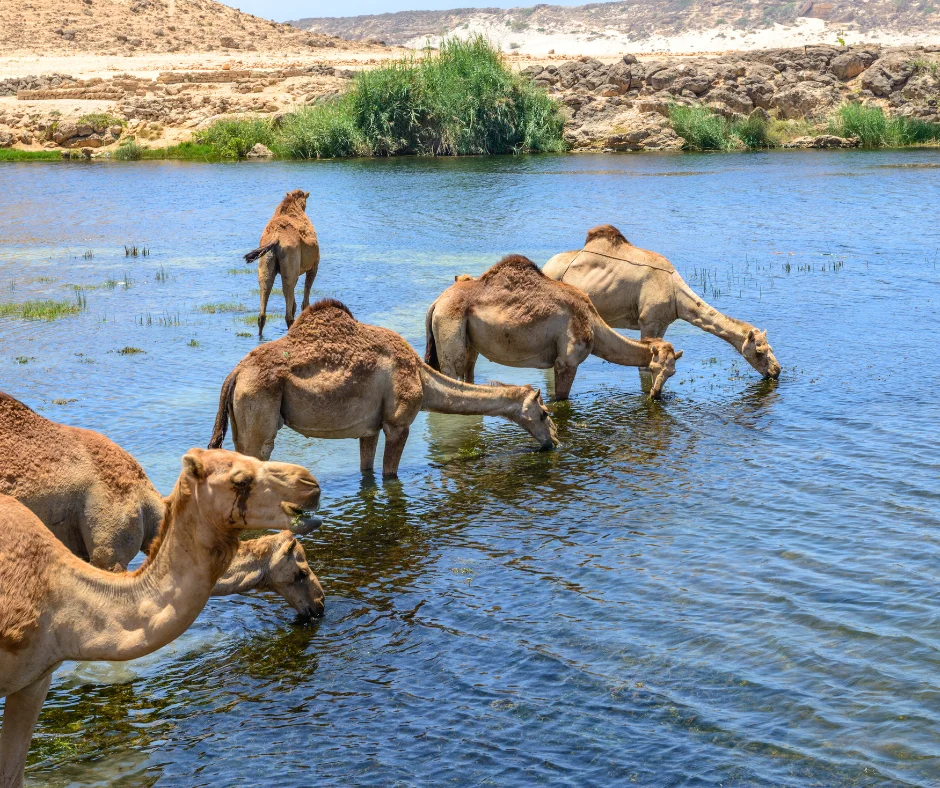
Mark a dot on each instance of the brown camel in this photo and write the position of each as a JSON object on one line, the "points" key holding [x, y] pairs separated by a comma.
{"points": [[514, 315], [97, 500], [334, 377], [288, 247], [638, 289], [55, 607]]}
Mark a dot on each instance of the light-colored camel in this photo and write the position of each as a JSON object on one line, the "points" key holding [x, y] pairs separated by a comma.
{"points": [[638, 289], [334, 377], [514, 315], [97, 500], [55, 607], [288, 247]]}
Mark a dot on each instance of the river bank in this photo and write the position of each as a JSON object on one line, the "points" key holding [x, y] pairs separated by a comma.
{"points": [[626, 104]]}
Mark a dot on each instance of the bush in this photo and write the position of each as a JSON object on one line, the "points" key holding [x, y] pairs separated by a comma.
{"points": [[129, 150], [753, 132], [232, 139], [875, 130], [461, 100], [99, 120], [701, 128]]}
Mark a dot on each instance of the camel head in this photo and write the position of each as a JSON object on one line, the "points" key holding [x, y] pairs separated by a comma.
{"points": [[300, 197], [289, 574], [662, 364], [756, 349], [247, 493], [536, 420]]}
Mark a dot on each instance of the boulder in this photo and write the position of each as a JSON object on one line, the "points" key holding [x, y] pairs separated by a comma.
{"points": [[888, 74], [227, 42], [6, 139], [259, 151], [737, 103], [805, 100], [851, 64]]}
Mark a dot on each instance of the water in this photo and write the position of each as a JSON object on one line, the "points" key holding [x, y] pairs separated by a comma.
{"points": [[737, 586]]}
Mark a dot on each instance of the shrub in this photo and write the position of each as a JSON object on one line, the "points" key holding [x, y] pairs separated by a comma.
{"points": [[701, 128], [101, 119], [323, 131], [753, 132], [129, 150], [874, 129], [232, 139]]}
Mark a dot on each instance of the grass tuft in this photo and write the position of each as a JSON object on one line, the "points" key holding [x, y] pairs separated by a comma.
{"points": [[43, 310], [874, 129], [129, 351], [129, 150], [233, 138], [212, 309], [10, 154]]}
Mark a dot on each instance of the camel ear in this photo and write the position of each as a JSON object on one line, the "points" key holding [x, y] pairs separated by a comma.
{"points": [[284, 550], [192, 466], [750, 335], [306, 195], [679, 354]]}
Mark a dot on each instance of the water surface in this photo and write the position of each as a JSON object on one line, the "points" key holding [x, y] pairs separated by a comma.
{"points": [[737, 586]]}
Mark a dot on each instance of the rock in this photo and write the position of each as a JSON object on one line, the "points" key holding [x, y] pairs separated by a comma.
{"points": [[805, 100], [851, 64], [259, 151], [227, 42], [823, 141], [663, 78], [629, 59], [739, 104], [888, 74], [6, 139]]}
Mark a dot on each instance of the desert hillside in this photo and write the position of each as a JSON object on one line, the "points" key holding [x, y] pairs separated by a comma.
{"points": [[127, 27], [654, 25]]}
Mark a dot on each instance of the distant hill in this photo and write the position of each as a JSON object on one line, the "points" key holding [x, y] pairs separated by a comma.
{"points": [[125, 26], [590, 27]]}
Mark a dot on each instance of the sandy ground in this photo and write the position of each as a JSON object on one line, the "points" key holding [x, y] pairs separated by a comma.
{"points": [[719, 40]]}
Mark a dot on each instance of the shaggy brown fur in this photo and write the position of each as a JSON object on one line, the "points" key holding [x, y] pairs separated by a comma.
{"points": [[290, 214], [605, 232], [24, 564]]}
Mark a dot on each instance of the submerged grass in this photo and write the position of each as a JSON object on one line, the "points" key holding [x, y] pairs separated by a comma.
{"points": [[212, 309], [462, 100], [44, 309]]}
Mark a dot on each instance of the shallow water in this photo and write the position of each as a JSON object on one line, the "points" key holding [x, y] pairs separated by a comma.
{"points": [[737, 586]]}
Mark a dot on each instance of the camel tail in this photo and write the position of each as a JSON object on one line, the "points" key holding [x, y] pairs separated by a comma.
{"points": [[225, 405], [254, 254], [430, 352]]}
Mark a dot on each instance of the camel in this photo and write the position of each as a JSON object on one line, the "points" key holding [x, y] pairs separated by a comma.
{"points": [[288, 247], [55, 607], [638, 289], [334, 377], [514, 315], [97, 500]]}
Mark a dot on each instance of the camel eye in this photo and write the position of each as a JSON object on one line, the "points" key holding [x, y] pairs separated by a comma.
{"points": [[544, 415]]}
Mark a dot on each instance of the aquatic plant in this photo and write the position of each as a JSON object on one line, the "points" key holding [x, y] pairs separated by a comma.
{"points": [[212, 309], [162, 275], [44, 309], [193, 343], [129, 351]]}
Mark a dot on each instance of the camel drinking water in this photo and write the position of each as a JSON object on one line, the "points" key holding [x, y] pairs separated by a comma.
{"points": [[638, 289], [334, 377], [514, 315], [55, 607], [97, 500], [288, 247]]}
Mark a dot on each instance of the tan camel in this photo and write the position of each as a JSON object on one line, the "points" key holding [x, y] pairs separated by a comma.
{"points": [[334, 377], [97, 500], [638, 289], [55, 607], [288, 247], [516, 316]]}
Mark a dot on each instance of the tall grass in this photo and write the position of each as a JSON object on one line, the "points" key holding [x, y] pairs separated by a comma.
{"points": [[462, 100], [874, 129], [233, 138], [702, 129], [44, 310]]}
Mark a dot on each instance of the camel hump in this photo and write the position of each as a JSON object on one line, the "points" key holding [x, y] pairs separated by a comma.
{"points": [[329, 303], [513, 265], [323, 316], [606, 232]]}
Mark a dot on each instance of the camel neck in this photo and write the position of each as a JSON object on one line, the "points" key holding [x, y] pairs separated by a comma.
{"points": [[693, 309], [442, 394], [124, 616], [617, 349]]}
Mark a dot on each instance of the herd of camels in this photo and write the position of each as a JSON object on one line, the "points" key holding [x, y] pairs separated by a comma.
{"points": [[75, 508]]}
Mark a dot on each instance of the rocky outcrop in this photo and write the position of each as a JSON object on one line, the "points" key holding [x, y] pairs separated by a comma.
{"points": [[625, 105]]}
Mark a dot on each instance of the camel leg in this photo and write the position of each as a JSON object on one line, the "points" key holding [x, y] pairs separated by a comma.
{"points": [[472, 357], [453, 346], [267, 273], [367, 447], [308, 283], [395, 438], [290, 305], [259, 419], [649, 330], [19, 719], [565, 371]]}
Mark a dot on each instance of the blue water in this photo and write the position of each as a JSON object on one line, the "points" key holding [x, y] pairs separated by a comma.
{"points": [[736, 586]]}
